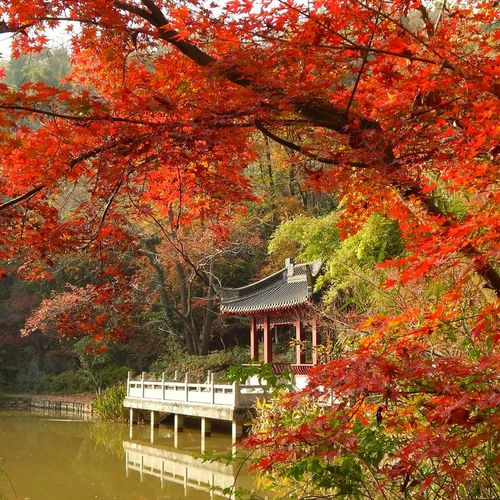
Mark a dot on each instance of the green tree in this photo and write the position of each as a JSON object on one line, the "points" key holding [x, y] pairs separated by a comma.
{"points": [[49, 67]]}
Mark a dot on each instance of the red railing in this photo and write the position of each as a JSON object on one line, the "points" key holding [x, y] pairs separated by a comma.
{"points": [[296, 369]]}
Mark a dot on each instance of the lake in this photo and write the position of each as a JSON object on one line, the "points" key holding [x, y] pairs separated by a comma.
{"points": [[56, 457]]}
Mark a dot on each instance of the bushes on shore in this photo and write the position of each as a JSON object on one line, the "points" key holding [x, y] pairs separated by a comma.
{"points": [[198, 366], [109, 404], [70, 382]]}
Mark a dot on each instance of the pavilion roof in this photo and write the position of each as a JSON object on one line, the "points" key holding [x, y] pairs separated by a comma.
{"points": [[285, 289]]}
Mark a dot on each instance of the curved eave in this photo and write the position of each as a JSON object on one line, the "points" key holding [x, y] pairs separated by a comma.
{"points": [[272, 308]]}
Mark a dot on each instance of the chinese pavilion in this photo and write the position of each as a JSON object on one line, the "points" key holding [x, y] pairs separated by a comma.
{"points": [[279, 306]]}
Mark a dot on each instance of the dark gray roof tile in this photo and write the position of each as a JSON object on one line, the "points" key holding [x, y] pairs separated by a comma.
{"points": [[285, 289]]}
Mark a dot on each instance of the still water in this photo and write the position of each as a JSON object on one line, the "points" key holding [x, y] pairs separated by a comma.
{"points": [[55, 457]]}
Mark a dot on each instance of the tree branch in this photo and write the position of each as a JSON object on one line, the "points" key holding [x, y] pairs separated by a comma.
{"points": [[95, 118], [319, 111], [295, 147], [73, 163], [104, 214], [365, 58], [21, 197]]}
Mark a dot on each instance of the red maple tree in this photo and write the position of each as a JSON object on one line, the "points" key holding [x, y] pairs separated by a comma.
{"points": [[393, 105]]}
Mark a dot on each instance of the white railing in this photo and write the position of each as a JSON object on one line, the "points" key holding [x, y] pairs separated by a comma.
{"points": [[234, 395]]}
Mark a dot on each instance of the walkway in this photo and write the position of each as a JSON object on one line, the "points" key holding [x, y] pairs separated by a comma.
{"points": [[208, 401]]}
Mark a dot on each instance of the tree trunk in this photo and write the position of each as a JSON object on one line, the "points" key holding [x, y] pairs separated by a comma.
{"points": [[166, 302], [191, 338], [209, 314]]}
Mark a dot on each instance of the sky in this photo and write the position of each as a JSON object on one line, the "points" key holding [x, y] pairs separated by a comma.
{"points": [[4, 46], [56, 36]]}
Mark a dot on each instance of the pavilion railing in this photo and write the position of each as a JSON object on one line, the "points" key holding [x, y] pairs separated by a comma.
{"points": [[234, 395]]}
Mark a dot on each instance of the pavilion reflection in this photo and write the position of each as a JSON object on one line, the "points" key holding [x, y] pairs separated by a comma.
{"points": [[179, 465]]}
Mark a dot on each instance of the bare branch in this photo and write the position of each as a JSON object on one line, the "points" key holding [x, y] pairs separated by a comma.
{"points": [[105, 213], [18, 199], [54, 114], [295, 147], [73, 163], [363, 63]]}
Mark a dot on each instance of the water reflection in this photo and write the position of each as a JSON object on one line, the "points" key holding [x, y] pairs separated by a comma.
{"points": [[174, 458], [51, 457], [64, 413], [179, 468]]}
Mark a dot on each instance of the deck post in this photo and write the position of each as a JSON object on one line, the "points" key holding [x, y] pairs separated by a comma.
{"points": [[178, 423], [254, 341], [206, 426], [203, 443], [212, 388], [131, 421], [176, 375], [152, 436], [186, 388], [315, 342], [300, 355], [236, 430], [143, 376], [163, 386], [236, 394], [129, 378], [236, 433], [268, 341]]}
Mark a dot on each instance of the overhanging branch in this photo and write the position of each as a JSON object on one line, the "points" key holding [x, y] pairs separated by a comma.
{"points": [[299, 149], [22, 197]]}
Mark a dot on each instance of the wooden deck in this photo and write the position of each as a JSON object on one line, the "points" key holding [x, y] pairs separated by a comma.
{"points": [[208, 401], [220, 401]]}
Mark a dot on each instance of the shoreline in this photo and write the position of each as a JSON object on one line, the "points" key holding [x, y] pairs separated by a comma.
{"points": [[68, 403]]}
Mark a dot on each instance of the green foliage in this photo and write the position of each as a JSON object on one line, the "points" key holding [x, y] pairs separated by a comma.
{"points": [[49, 66], [71, 381], [263, 372], [113, 374], [329, 471], [305, 238], [350, 271], [350, 268], [109, 404], [96, 362], [198, 366], [452, 202], [66, 382]]}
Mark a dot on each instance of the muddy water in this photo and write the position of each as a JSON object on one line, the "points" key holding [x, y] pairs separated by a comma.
{"points": [[56, 457]]}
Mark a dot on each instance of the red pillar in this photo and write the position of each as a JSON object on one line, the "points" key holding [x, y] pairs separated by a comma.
{"points": [[314, 342], [254, 341], [268, 345], [300, 355]]}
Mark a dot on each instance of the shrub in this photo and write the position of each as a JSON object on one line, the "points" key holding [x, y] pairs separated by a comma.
{"points": [[113, 375], [66, 382], [109, 404], [198, 366]]}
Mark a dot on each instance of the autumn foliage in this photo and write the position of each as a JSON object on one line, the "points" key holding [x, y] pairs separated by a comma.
{"points": [[392, 106]]}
